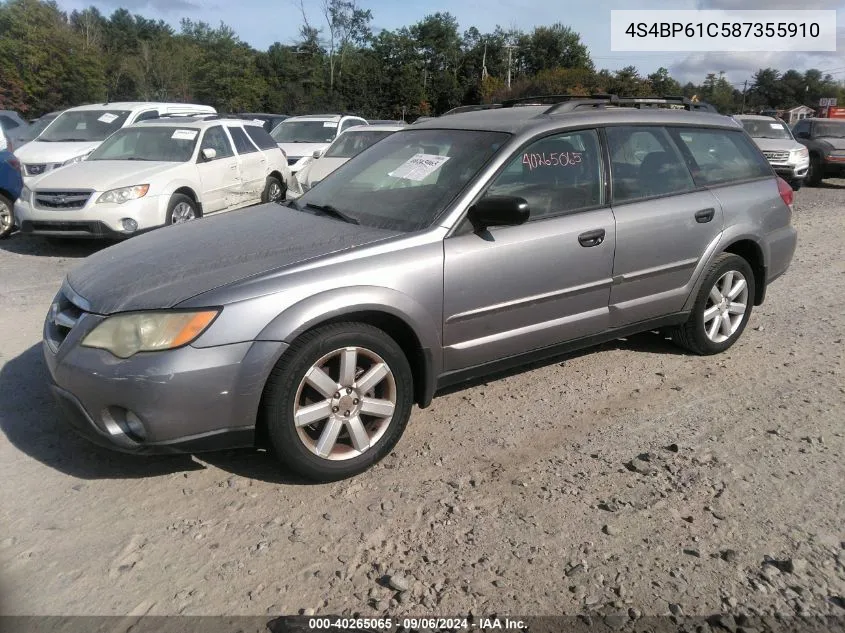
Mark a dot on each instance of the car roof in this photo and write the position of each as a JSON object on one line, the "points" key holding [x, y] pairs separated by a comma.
{"points": [[321, 117], [377, 127], [519, 119], [755, 117], [190, 121], [138, 105]]}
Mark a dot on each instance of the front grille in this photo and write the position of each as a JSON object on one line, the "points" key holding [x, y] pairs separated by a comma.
{"points": [[33, 169], [61, 200], [776, 157], [61, 319]]}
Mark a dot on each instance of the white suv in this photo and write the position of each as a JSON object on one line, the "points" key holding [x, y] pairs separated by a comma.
{"points": [[77, 132], [303, 137], [164, 171]]}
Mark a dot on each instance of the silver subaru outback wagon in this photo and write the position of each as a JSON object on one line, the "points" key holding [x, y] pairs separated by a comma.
{"points": [[444, 252]]}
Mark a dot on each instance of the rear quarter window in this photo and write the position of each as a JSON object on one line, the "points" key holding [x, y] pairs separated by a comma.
{"points": [[260, 137], [721, 156]]}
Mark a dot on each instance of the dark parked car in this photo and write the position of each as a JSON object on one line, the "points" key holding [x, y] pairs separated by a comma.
{"points": [[825, 138], [40, 124], [11, 184]]}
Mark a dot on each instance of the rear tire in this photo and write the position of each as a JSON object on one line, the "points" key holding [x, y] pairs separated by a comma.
{"points": [[722, 308], [274, 190], [338, 401], [7, 217], [814, 173], [182, 209]]}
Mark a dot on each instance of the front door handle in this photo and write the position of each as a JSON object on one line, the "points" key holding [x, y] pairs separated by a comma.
{"points": [[705, 215], [591, 238]]}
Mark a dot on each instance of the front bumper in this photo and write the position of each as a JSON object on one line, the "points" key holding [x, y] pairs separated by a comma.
{"points": [[93, 220], [791, 171], [187, 399]]}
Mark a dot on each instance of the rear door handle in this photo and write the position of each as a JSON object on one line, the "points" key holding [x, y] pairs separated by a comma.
{"points": [[591, 238], [705, 215]]}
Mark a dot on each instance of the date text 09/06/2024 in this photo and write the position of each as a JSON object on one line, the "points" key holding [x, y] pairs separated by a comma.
{"points": [[433, 623]]}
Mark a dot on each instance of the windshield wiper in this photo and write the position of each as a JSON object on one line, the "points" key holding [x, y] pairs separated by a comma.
{"points": [[333, 211], [72, 140]]}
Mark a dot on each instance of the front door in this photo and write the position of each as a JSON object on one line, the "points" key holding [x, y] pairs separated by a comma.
{"points": [[664, 224], [220, 177], [253, 165], [509, 290]]}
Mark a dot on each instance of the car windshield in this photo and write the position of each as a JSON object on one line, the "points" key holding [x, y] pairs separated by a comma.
{"points": [[154, 143], [39, 126], [84, 125], [829, 129], [354, 142], [407, 180], [305, 132], [766, 129]]}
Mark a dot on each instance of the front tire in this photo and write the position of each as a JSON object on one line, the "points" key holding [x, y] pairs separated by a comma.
{"points": [[338, 401], [722, 308], [7, 218], [274, 190], [182, 209]]}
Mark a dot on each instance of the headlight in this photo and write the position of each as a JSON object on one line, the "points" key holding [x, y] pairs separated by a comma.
{"points": [[26, 194], [75, 159], [124, 194], [126, 334], [798, 154]]}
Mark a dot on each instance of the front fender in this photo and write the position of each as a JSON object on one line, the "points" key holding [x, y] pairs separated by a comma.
{"points": [[333, 304]]}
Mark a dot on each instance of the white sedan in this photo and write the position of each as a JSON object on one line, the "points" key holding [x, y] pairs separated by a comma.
{"points": [[155, 173], [350, 143]]}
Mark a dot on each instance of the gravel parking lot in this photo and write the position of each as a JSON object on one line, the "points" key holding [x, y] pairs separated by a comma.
{"points": [[630, 479]]}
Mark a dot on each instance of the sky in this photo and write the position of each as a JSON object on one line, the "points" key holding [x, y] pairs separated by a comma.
{"points": [[262, 22]]}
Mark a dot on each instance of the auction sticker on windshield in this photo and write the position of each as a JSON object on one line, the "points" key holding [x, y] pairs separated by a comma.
{"points": [[108, 117], [184, 135], [419, 166]]}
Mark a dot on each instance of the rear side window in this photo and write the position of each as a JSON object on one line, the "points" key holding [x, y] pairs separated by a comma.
{"points": [[242, 143], [149, 114], [722, 156], [645, 163], [8, 123], [260, 137]]}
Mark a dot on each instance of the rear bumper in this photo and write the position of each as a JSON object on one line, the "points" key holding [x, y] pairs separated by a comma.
{"points": [[782, 244]]}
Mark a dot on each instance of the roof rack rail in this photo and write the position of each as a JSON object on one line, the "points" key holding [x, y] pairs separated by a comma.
{"points": [[554, 99], [677, 100], [473, 108]]}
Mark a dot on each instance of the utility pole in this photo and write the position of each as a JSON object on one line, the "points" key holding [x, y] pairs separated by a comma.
{"points": [[510, 48], [744, 87]]}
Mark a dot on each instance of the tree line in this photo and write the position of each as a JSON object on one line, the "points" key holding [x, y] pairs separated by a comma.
{"points": [[50, 59]]}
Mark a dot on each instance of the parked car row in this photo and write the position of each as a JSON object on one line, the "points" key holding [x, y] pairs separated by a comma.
{"points": [[443, 252]]}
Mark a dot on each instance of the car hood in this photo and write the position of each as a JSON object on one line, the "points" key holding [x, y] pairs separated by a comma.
{"points": [[833, 141], [167, 266], [316, 170], [298, 150], [36, 152], [102, 175], [777, 144]]}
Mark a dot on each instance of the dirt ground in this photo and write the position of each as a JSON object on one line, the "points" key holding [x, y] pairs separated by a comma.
{"points": [[631, 479]]}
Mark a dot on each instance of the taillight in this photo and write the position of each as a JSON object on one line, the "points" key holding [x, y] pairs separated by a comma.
{"points": [[15, 163], [786, 192]]}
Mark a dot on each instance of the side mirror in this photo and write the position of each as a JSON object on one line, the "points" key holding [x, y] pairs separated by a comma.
{"points": [[317, 153], [209, 153], [498, 211]]}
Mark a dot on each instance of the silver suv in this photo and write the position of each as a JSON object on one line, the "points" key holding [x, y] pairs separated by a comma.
{"points": [[442, 253]]}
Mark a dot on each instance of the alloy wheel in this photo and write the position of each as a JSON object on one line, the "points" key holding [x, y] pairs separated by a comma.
{"points": [[726, 306], [5, 218], [345, 403], [183, 212], [275, 192]]}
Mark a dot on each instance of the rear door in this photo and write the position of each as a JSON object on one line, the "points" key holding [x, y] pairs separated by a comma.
{"points": [[509, 290], [253, 166], [664, 223], [220, 177]]}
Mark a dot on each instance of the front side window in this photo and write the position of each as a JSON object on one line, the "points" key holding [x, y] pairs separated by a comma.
{"points": [[84, 125], [405, 181], [305, 131], [557, 174], [722, 156], [166, 144], [351, 144], [645, 163], [215, 138], [829, 129], [242, 143]]}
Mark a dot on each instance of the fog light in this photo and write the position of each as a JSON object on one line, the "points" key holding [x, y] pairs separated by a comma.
{"points": [[129, 225], [135, 428]]}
